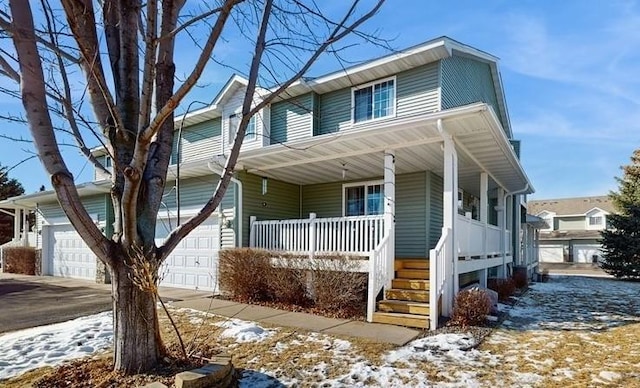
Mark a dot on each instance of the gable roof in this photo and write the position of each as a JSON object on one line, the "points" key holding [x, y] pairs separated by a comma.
{"points": [[571, 206]]}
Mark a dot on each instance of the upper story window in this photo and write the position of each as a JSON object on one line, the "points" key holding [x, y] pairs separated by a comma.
{"points": [[234, 121], [595, 220], [375, 100], [362, 199]]}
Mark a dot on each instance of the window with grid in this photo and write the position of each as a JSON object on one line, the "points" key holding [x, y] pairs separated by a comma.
{"points": [[366, 199], [374, 101], [595, 220], [234, 121]]}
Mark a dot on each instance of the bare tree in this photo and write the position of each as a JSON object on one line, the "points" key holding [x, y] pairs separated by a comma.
{"points": [[126, 50]]}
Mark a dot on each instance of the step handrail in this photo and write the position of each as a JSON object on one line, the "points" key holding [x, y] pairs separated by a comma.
{"points": [[437, 277], [379, 261]]}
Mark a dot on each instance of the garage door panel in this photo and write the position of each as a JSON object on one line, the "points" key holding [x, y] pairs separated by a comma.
{"points": [[193, 263], [551, 254], [69, 256]]}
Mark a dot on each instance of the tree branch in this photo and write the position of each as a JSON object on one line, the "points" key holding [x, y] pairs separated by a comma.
{"points": [[34, 99]]}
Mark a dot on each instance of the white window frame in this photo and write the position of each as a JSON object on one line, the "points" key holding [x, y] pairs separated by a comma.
{"points": [[597, 217], [246, 138], [372, 85], [356, 184]]}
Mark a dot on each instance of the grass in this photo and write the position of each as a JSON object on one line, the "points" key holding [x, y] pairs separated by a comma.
{"points": [[583, 353]]}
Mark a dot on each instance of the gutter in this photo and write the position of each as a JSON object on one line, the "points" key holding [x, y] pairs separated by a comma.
{"points": [[238, 183]]}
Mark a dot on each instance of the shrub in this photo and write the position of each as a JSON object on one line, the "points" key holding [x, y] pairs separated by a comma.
{"points": [[336, 287], [243, 273], [504, 287], [520, 280], [288, 285], [470, 308], [20, 260]]}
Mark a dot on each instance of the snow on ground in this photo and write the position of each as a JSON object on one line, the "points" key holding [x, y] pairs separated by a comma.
{"points": [[28, 349], [570, 331]]}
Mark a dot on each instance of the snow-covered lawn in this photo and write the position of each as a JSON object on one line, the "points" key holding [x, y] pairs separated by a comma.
{"points": [[571, 331]]}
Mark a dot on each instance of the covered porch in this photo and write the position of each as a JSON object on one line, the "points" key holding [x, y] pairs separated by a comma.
{"points": [[458, 163]]}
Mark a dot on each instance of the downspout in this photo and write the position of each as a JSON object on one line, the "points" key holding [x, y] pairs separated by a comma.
{"points": [[238, 183]]}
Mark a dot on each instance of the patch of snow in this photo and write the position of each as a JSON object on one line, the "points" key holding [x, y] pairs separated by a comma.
{"points": [[244, 331], [23, 350], [610, 376]]}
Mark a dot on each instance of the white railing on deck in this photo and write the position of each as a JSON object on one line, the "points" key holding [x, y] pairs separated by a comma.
{"points": [[477, 239], [380, 261], [439, 268], [353, 235]]}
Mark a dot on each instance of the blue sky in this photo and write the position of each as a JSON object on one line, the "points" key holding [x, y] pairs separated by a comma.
{"points": [[570, 69]]}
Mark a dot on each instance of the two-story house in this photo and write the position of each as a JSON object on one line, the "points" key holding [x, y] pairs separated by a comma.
{"points": [[572, 230], [407, 161]]}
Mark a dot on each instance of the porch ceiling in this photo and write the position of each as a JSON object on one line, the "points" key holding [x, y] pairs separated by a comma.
{"points": [[480, 142]]}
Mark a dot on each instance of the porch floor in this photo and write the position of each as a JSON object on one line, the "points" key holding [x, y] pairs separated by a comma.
{"points": [[407, 302]]}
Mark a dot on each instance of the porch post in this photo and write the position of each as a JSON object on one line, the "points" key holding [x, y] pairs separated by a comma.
{"points": [[484, 209], [252, 232], [502, 223], [450, 215], [16, 224], [390, 211], [312, 235], [25, 229]]}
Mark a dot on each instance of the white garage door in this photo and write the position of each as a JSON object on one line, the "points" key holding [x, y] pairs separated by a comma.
{"points": [[551, 254], [68, 255], [194, 262], [584, 253]]}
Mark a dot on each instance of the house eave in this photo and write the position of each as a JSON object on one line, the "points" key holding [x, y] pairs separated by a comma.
{"points": [[30, 201]]}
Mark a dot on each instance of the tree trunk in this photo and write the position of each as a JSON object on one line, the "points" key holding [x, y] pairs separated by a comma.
{"points": [[138, 345]]}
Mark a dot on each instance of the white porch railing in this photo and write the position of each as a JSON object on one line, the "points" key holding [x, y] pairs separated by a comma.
{"points": [[438, 270], [312, 236], [478, 239], [380, 261]]}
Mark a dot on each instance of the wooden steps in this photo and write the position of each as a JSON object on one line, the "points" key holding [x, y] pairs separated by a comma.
{"points": [[407, 303], [409, 320], [407, 294]]}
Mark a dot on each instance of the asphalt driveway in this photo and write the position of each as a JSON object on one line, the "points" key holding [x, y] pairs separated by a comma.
{"points": [[35, 301]]}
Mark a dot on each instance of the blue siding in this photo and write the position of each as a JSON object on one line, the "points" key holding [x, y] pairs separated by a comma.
{"points": [[292, 119], [199, 141], [416, 93], [436, 188], [466, 81]]}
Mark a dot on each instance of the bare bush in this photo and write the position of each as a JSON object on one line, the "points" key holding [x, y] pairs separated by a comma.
{"points": [[504, 287], [337, 287], [288, 285], [20, 260], [520, 280], [470, 308], [243, 273]]}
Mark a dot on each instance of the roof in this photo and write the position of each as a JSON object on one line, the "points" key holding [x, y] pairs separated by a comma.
{"points": [[30, 201], [570, 235], [571, 206]]}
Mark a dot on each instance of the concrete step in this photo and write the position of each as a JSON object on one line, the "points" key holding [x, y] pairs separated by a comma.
{"points": [[414, 263], [409, 295], [410, 284], [403, 306], [413, 274], [409, 320]]}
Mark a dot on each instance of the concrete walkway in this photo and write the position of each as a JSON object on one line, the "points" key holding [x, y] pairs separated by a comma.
{"points": [[198, 300]]}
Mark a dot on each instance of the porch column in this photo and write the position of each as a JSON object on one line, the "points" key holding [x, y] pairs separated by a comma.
{"points": [[390, 209], [502, 224], [16, 224], [449, 218], [484, 209]]}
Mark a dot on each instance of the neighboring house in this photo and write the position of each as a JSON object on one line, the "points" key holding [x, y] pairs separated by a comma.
{"points": [[409, 156], [572, 230]]}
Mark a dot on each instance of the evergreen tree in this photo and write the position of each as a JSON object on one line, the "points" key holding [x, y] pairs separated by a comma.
{"points": [[621, 242], [8, 188]]}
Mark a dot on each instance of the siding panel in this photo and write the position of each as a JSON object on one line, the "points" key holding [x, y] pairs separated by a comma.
{"points": [[282, 201], [292, 119], [95, 205], [199, 141], [417, 91], [435, 214], [411, 223], [466, 81], [335, 112]]}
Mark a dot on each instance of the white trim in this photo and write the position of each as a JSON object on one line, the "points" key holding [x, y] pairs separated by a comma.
{"points": [[357, 184], [372, 86]]}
